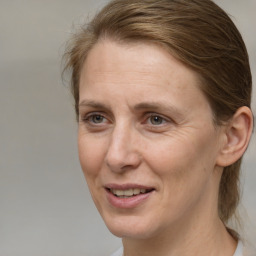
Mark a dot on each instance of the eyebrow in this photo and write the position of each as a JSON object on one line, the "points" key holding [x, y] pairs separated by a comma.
{"points": [[151, 106], [93, 104], [157, 106]]}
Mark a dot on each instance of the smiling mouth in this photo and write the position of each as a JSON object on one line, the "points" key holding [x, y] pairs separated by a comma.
{"points": [[127, 193]]}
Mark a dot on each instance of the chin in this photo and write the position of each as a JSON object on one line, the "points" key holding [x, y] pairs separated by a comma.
{"points": [[133, 227]]}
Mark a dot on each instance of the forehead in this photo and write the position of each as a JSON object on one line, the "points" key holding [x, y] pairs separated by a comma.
{"points": [[115, 59], [135, 70]]}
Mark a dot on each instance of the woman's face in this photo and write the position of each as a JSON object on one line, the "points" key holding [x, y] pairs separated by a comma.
{"points": [[147, 143]]}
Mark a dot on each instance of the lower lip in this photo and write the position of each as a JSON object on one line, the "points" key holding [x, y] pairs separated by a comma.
{"points": [[127, 203]]}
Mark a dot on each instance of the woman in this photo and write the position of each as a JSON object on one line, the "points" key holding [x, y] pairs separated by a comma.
{"points": [[162, 95]]}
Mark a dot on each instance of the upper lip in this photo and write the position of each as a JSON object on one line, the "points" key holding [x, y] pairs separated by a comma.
{"points": [[127, 186]]}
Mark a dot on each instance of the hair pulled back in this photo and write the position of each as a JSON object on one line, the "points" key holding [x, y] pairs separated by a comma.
{"points": [[199, 34]]}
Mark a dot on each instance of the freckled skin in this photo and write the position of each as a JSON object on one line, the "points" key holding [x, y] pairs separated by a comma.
{"points": [[178, 157]]}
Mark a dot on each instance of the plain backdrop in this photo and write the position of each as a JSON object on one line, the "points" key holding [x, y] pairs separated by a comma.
{"points": [[45, 206]]}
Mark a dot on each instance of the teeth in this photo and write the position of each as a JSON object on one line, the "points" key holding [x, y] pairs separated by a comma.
{"points": [[143, 190], [128, 192], [136, 191], [118, 192]]}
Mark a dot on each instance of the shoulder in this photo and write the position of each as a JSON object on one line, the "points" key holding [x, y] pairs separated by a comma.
{"points": [[244, 249], [239, 249], [238, 252], [249, 249], [119, 252]]}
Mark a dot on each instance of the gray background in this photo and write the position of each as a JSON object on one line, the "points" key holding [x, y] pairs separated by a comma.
{"points": [[45, 206]]}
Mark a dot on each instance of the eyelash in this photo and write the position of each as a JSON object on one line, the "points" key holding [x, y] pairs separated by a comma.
{"points": [[88, 120], [154, 115]]}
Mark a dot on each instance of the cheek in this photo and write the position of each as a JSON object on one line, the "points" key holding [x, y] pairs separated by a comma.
{"points": [[91, 156], [185, 174], [183, 161]]}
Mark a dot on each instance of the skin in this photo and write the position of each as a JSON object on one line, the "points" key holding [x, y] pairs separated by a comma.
{"points": [[177, 151]]}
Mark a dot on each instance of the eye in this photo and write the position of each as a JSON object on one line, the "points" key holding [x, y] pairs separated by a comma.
{"points": [[94, 119], [156, 120], [97, 119]]}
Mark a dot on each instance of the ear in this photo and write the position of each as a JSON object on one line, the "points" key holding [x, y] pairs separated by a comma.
{"points": [[237, 133]]}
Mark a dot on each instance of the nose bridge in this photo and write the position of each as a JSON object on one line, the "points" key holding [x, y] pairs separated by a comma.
{"points": [[122, 151], [120, 137]]}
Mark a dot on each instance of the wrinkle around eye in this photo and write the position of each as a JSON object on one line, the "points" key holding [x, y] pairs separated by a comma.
{"points": [[153, 118], [166, 124], [94, 121]]}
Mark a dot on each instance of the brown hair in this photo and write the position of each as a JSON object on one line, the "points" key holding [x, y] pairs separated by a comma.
{"points": [[198, 33]]}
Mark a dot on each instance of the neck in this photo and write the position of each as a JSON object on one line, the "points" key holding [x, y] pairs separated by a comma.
{"points": [[195, 241], [199, 232]]}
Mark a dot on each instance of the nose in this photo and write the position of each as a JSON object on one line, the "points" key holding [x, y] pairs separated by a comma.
{"points": [[123, 154]]}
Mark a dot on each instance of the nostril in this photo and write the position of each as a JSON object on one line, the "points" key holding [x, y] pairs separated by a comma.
{"points": [[122, 153], [122, 164]]}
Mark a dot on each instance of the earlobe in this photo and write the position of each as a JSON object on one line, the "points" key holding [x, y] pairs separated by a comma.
{"points": [[237, 136]]}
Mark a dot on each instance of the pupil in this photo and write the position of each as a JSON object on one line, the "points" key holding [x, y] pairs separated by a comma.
{"points": [[97, 119], [156, 120]]}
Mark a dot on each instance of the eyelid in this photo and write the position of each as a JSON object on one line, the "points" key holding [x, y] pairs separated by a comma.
{"points": [[87, 116], [167, 121], [151, 114]]}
